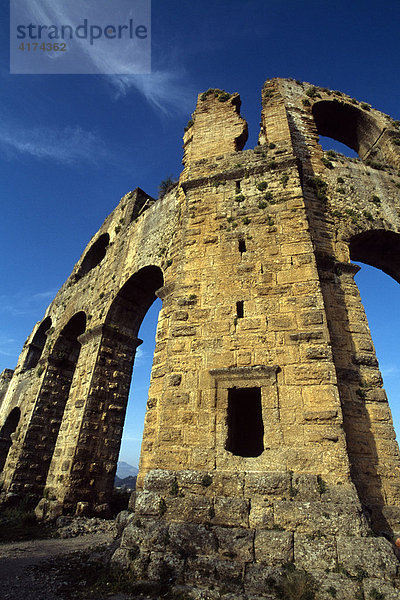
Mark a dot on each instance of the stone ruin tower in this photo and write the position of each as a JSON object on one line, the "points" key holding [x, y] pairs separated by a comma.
{"points": [[268, 437]]}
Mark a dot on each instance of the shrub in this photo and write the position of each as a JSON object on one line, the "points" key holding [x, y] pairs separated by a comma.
{"points": [[190, 124], [262, 186], [297, 585], [375, 595], [312, 92], [340, 180], [206, 480], [246, 220], [262, 204], [272, 164], [220, 94], [320, 187], [166, 185], [271, 145], [375, 165], [223, 97], [365, 106], [306, 102], [239, 198], [376, 200], [327, 163], [284, 179]]}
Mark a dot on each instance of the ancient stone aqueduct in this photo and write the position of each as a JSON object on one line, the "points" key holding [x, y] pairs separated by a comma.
{"points": [[268, 437]]}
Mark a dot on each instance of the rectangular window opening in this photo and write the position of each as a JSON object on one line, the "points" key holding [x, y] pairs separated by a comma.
{"points": [[245, 424], [237, 186], [242, 246], [240, 309]]}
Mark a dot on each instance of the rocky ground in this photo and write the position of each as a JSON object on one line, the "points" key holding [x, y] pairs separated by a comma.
{"points": [[72, 565]]}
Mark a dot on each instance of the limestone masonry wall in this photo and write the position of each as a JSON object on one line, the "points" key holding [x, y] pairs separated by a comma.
{"points": [[268, 438]]}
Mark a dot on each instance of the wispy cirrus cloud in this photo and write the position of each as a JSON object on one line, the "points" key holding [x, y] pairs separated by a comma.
{"points": [[166, 88], [390, 371], [20, 304], [7, 346], [68, 145], [166, 91]]}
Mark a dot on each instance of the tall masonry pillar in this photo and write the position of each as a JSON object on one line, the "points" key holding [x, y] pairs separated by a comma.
{"points": [[268, 435]]}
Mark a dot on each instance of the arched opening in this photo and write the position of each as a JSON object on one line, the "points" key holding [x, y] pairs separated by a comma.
{"points": [[378, 252], [129, 455], [6, 433], [108, 398], [378, 248], [41, 435], [347, 124], [370, 438], [37, 344], [380, 297], [93, 256]]}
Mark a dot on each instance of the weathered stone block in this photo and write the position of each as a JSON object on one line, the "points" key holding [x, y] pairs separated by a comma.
{"points": [[148, 503], [375, 556], [376, 588], [159, 480], [231, 511], [261, 579], [273, 547], [274, 484], [314, 552], [261, 514], [189, 539], [336, 585], [315, 517], [228, 484], [210, 572], [235, 543], [190, 509]]}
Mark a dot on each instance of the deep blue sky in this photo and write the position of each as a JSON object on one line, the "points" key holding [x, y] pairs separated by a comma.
{"points": [[71, 146]]}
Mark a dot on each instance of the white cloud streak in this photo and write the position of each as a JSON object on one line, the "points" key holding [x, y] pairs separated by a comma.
{"points": [[21, 304], [390, 371], [67, 146], [163, 90], [166, 90]]}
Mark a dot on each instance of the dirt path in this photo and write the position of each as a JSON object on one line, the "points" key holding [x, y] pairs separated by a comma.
{"points": [[18, 581]]}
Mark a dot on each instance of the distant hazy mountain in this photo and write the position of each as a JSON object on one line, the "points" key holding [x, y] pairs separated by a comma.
{"points": [[124, 470], [129, 483]]}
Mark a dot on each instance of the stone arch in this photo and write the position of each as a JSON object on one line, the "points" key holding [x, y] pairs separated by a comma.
{"points": [[134, 299], [347, 124], [90, 473], [35, 451], [93, 256], [379, 248], [6, 434], [366, 414], [36, 345]]}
